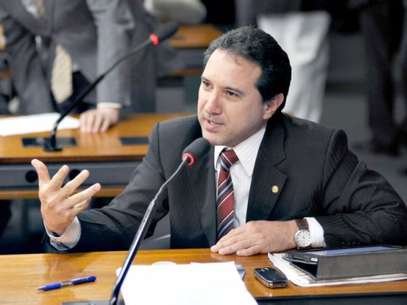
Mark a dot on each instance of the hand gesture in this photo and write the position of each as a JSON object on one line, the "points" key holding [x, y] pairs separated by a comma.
{"points": [[99, 119], [61, 203]]}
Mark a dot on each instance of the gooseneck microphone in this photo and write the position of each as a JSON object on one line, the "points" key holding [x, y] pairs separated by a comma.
{"points": [[190, 155], [154, 40]]}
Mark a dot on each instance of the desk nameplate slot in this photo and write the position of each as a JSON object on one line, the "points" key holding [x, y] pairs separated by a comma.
{"points": [[106, 173], [134, 140], [62, 141]]}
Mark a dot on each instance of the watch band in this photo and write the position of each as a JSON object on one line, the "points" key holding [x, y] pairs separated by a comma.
{"points": [[302, 224]]}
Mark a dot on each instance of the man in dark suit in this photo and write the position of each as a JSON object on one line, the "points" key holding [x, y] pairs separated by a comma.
{"points": [[294, 183]]}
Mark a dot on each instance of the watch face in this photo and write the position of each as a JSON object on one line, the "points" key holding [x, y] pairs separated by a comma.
{"points": [[302, 238]]}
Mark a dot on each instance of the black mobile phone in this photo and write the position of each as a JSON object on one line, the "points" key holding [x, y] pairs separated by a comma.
{"points": [[271, 277]]}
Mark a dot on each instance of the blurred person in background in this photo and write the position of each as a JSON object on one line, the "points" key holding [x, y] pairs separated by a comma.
{"points": [[381, 26], [94, 33], [403, 55], [301, 27], [182, 11]]}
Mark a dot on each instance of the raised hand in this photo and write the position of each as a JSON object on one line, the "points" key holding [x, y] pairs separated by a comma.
{"points": [[61, 203]]}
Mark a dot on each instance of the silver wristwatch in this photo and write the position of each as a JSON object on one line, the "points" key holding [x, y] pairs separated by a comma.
{"points": [[302, 237]]}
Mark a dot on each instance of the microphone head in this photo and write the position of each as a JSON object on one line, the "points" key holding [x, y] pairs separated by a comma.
{"points": [[164, 33], [195, 150]]}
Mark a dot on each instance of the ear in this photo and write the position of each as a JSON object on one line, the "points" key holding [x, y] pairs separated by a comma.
{"points": [[272, 105]]}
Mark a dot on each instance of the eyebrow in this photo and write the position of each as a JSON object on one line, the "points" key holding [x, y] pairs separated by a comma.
{"points": [[239, 92]]}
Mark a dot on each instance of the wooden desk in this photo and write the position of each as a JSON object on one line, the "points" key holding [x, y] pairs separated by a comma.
{"points": [[100, 153], [20, 275]]}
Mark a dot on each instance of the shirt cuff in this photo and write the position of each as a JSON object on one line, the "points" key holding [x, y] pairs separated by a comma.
{"points": [[68, 239], [316, 232], [109, 105]]}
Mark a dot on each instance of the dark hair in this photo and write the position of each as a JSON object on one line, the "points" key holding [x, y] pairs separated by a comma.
{"points": [[262, 49]]}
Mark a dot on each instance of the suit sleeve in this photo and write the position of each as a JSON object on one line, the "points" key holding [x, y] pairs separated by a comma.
{"points": [[115, 28], [360, 207], [113, 227]]}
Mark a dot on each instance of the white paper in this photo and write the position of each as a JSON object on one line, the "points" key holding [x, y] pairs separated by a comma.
{"points": [[179, 284], [34, 123], [302, 279]]}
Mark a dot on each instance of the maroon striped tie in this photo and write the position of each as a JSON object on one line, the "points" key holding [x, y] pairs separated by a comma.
{"points": [[224, 197]]}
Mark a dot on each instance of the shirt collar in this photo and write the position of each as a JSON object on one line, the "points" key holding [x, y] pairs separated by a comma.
{"points": [[246, 151]]}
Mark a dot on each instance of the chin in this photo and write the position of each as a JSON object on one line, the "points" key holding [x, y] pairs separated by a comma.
{"points": [[210, 140], [213, 140]]}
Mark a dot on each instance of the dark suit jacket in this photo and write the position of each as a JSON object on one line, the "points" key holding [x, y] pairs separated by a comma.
{"points": [[316, 174]]}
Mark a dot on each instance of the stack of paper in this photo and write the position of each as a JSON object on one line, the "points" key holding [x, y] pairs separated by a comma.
{"points": [[177, 284], [34, 123], [302, 279]]}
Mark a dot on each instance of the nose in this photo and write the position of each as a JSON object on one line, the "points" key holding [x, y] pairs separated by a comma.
{"points": [[212, 104]]}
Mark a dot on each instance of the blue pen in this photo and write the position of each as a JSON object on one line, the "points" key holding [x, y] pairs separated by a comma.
{"points": [[77, 281]]}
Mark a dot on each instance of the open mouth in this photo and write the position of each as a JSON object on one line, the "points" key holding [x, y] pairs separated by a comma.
{"points": [[212, 125], [212, 122]]}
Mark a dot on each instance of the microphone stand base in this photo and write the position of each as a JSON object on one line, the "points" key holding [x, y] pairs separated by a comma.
{"points": [[49, 148], [45, 143], [99, 302]]}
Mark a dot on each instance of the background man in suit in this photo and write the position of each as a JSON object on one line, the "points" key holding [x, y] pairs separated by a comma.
{"points": [[95, 33], [295, 183]]}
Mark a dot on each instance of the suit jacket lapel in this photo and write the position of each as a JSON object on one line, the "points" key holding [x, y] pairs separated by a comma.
{"points": [[202, 180], [267, 181]]}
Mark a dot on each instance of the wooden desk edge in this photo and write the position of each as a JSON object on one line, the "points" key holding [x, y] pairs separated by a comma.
{"points": [[105, 192], [29, 271]]}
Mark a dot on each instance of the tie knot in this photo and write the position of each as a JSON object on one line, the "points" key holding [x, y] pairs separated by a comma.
{"points": [[228, 158]]}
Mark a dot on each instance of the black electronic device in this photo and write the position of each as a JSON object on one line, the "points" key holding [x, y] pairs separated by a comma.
{"points": [[134, 140], [328, 264], [271, 277], [314, 256]]}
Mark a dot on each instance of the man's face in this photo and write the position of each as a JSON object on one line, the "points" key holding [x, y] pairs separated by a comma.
{"points": [[230, 108]]}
